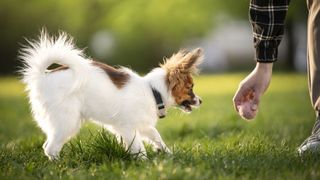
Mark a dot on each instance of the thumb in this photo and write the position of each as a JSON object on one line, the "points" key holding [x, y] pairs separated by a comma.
{"points": [[238, 98]]}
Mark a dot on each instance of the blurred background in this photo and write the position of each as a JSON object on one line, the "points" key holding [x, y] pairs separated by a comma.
{"points": [[140, 33]]}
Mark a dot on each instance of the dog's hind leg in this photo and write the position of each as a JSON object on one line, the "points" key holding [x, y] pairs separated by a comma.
{"points": [[63, 126]]}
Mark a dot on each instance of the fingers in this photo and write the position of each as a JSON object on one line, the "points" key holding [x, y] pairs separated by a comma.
{"points": [[246, 102], [249, 109], [242, 95]]}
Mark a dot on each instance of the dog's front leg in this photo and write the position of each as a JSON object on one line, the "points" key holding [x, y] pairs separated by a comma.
{"points": [[133, 141], [153, 134]]}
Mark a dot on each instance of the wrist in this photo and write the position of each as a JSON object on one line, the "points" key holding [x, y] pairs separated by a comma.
{"points": [[264, 67]]}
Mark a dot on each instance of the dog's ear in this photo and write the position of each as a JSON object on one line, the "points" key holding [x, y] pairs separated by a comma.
{"points": [[184, 61], [191, 60]]}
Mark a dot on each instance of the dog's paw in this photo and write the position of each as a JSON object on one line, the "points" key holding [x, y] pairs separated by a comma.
{"points": [[53, 157]]}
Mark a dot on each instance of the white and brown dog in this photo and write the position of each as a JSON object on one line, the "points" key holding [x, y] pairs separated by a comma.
{"points": [[83, 89]]}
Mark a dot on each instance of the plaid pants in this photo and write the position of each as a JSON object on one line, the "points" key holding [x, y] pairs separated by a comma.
{"points": [[314, 52]]}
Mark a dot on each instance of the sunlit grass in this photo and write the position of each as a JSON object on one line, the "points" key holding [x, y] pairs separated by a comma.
{"points": [[212, 142]]}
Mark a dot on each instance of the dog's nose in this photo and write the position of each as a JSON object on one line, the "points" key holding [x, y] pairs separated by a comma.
{"points": [[200, 101]]}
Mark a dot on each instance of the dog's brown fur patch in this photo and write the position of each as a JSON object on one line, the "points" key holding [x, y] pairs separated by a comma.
{"points": [[182, 87], [180, 68], [117, 76]]}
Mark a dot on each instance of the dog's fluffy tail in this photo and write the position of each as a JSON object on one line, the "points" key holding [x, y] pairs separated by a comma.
{"points": [[38, 55]]}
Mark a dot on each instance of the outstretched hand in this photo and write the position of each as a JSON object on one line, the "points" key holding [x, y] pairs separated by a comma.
{"points": [[247, 98]]}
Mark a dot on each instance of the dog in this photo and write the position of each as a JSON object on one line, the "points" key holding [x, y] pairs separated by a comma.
{"points": [[82, 89]]}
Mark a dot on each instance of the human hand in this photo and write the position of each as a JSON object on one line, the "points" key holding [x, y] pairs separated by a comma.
{"points": [[247, 98]]}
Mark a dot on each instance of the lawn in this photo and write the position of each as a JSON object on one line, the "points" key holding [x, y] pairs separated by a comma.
{"points": [[210, 143]]}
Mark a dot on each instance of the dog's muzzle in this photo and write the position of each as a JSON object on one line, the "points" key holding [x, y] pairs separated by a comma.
{"points": [[187, 105]]}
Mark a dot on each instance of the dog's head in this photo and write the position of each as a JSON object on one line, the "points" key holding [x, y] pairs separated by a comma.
{"points": [[180, 68]]}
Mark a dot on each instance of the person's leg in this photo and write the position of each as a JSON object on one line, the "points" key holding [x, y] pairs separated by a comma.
{"points": [[314, 52], [313, 142]]}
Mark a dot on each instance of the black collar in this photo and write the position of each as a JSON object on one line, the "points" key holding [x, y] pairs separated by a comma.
{"points": [[160, 105]]}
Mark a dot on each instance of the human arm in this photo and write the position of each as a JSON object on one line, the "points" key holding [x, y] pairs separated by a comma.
{"points": [[267, 18]]}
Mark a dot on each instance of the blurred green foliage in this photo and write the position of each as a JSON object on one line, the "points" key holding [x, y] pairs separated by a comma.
{"points": [[144, 30]]}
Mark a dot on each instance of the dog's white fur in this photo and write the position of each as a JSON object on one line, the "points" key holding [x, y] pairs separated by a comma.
{"points": [[62, 100]]}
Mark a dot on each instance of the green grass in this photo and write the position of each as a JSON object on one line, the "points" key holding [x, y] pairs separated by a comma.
{"points": [[210, 143]]}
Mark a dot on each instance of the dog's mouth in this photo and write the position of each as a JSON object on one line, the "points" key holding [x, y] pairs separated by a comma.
{"points": [[186, 106]]}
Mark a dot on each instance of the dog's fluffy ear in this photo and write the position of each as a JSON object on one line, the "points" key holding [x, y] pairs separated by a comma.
{"points": [[191, 60], [184, 61]]}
